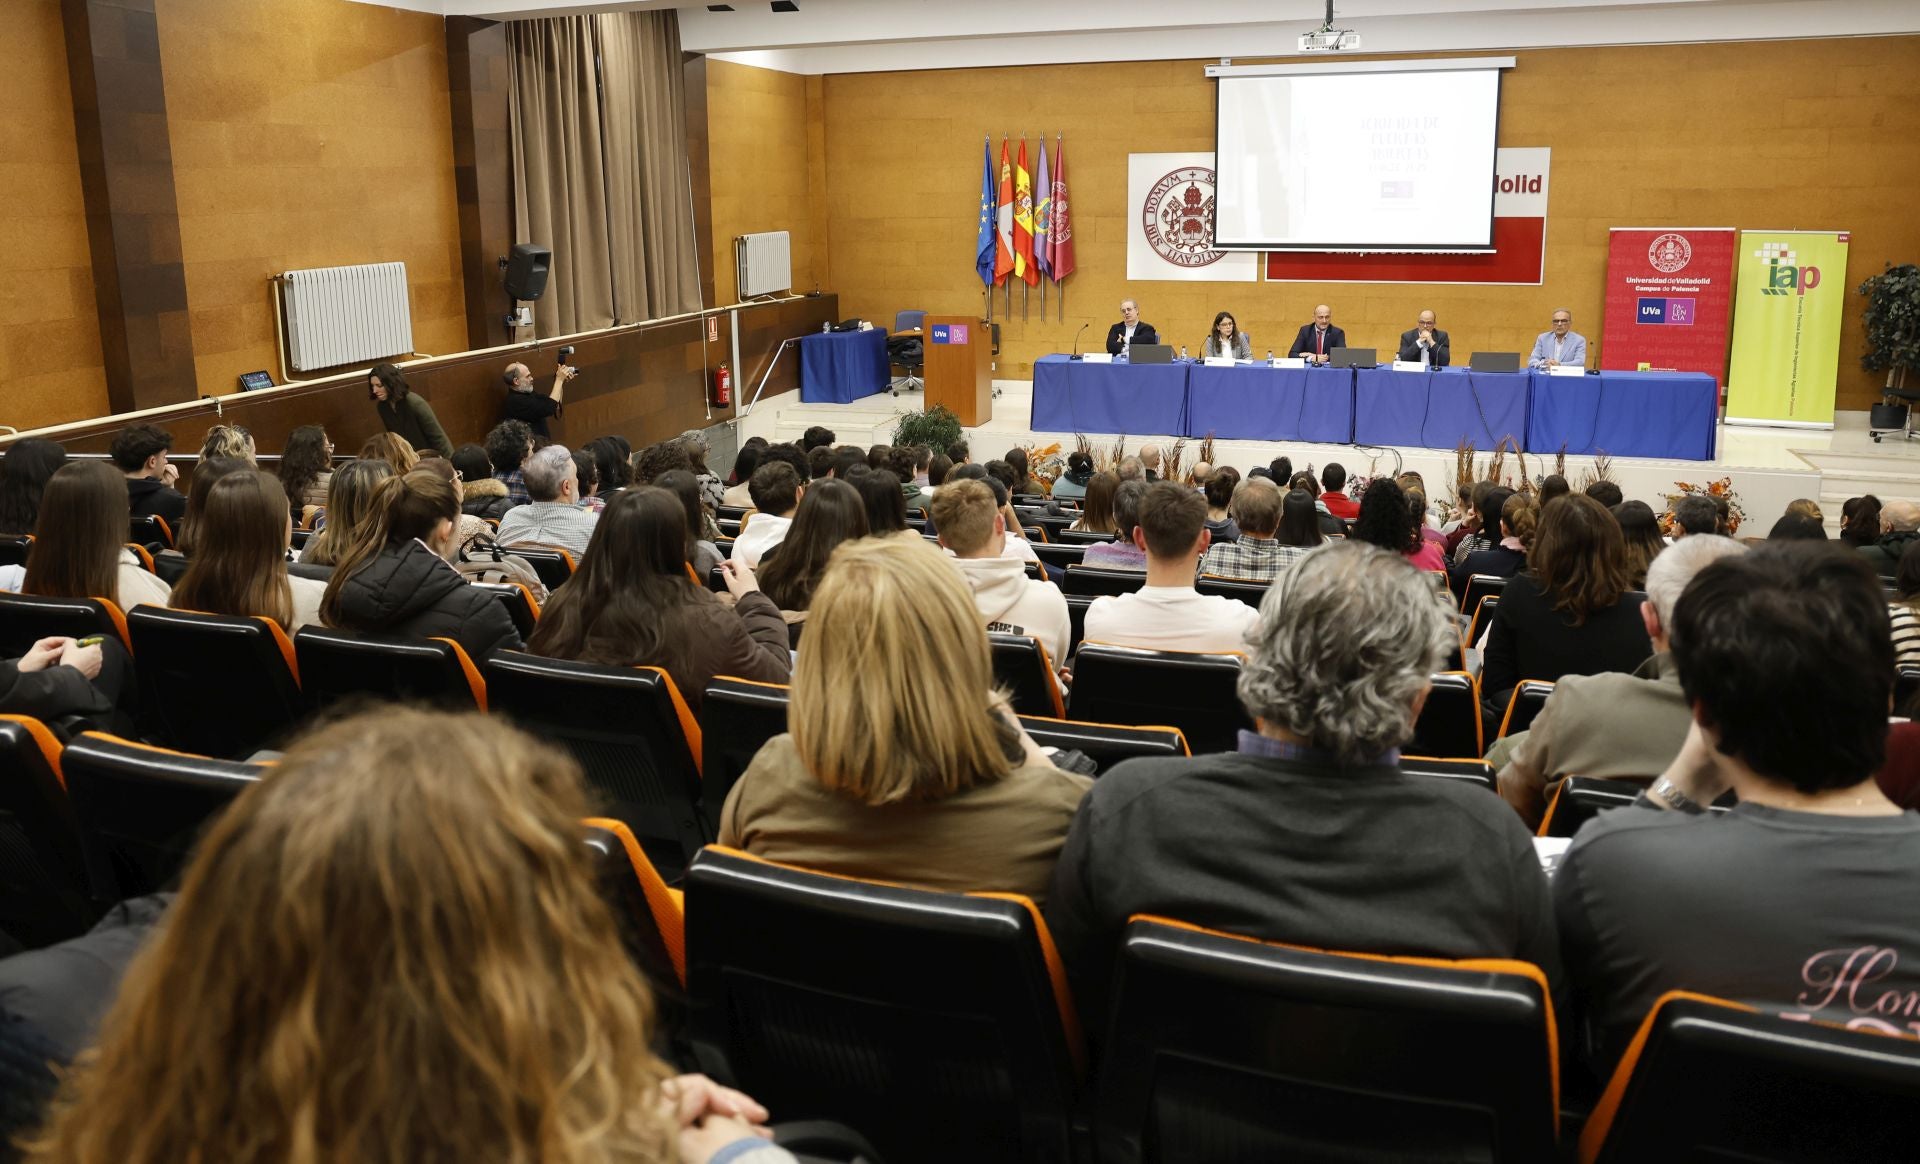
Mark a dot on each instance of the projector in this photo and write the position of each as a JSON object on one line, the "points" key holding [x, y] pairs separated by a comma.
{"points": [[1329, 40]]}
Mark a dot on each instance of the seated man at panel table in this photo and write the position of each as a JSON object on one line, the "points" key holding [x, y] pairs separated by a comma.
{"points": [[1129, 330], [1560, 346], [1316, 340], [1168, 614], [1425, 344]]}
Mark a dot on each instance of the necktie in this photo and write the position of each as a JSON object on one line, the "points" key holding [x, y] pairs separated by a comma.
{"points": [[1319, 342]]}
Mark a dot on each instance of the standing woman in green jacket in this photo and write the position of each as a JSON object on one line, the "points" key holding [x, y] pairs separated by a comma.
{"points": [[404, 413]]}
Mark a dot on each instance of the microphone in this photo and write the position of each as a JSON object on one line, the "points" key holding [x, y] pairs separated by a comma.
{"points": [[1076, 342]]}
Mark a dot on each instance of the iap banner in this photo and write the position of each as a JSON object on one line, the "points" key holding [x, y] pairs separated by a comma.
{"points": [[1669, 299], [1170, 227], [1786, 327]]}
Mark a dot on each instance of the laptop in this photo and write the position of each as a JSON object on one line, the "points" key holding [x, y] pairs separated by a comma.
{"points": [[1150, 354], [1495, 362], [1354, 357]]}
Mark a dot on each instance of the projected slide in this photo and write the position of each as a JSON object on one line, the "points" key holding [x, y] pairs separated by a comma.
{"points": [[1366, 161]]}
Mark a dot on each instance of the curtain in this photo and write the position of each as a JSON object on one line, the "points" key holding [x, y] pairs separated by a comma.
{"points": [[597, 110]]}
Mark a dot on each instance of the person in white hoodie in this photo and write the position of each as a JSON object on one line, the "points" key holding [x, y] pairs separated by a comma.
{"points": [[972, 528], [1168, 614]]}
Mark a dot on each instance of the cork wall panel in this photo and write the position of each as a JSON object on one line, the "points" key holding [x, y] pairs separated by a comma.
{"points": [[49, 326], [308, 133], [757, 139], [1804, 134]]}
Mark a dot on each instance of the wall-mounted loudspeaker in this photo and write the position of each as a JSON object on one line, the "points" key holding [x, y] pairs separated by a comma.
{"points": [[527, 271]]}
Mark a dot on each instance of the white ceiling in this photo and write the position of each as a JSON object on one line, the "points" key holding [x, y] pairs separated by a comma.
{"points": [[856, 36]]}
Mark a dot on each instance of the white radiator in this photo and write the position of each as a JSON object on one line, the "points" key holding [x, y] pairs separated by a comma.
{"points": [[346, 315], [764, 263]]}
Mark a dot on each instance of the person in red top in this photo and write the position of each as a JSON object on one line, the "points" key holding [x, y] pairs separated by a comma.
{"points": [[1333, 480]]}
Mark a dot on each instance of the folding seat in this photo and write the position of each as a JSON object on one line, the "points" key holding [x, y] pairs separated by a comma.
{"points": [[1077, 620], [54, 878], [630, 731], [737, 717], [940, 1025], [1053, 524], [1251, 593], [1022, 666], [150, 529], [521, 605], [1062, 554], [1106, 743], [1449, 726], [731, 512], [1030, 500], [1190, 691], [1708, 1079], [1036, 535], [1221, 1048], [1096, 580], [337, 665], [148, 806], [1579, 799], [142, 555], [552, 564], [1083, 537], [27, 618], [651, 919], [1523, 705], [1482, 618], [214, 684], [1478, 587], [729, 526], [1472, 771], [15, 548]]}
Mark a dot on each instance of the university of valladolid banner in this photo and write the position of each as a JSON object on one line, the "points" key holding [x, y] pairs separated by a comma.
{"points": [[1786, 327], [1170, 227], [1669, 299]]}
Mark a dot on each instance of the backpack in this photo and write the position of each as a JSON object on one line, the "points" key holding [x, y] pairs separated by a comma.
{"points": [[482, 560]]}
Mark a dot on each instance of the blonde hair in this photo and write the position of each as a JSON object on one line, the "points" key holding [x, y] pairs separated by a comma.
{"points": [[391, 948], [228, 441], [392, 448], [963, 512], [871, 716], [1805, 507]]}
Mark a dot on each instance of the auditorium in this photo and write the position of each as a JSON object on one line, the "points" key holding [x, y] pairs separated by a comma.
{"points": [[850, 582]]}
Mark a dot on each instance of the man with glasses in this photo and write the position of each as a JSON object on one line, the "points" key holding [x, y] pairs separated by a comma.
{"points": [[1129, 330], [1425, 344], [1560, 346]]}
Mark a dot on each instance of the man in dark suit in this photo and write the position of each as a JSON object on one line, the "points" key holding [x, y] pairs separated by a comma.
{"points": [[1317, 340], [1129, 330], [1425, 341]]}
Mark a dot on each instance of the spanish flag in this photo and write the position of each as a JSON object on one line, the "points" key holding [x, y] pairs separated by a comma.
{"points": [[1023, 267]]}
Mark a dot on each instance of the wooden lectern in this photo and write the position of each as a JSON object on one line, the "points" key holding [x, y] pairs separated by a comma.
{"points": [[959, 366]]}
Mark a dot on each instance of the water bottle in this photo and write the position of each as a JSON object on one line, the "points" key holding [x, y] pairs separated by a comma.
{"points": [[825, 328], [1183, 351], [1269, 357]]}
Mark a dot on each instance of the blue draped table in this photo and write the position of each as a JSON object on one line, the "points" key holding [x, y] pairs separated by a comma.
{"points": [[1253, 402], [1440, 408], [1144, 399], [1626, 414], [842, 366]]}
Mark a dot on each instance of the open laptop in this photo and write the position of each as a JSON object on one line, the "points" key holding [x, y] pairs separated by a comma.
{"points": [[1354, 357], [1150, 354], [1495, 362]]}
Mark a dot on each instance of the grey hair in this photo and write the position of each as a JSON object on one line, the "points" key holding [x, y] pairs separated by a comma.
{"points": [[1131, 469], [546, 470], [1676, 565], [1126, 507], [1347, 639], [694, 436]]}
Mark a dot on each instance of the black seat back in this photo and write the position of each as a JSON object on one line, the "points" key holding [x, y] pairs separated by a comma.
{"points": [[1579, 799], [213, 684], [14, 549], [650, 920], [1021, 665], [1528, 697], [148, 529], [1059, 554], [146, 806], [1251, 593], [554, 566], [1221, 1048], [1193, 692], [54, 878], [737, 718], [1477, 772], [1449, 725], [1083, 537], [339, 665], [1094, 580], [1105, 743], [25, 619], [1480, 586], [1077, 605], [520, 604], [933, 1022]]}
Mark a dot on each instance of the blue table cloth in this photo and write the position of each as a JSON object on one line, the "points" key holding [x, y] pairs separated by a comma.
{"points": [[1389, 407], [1626, 414], [1141, 399], [841, 366], [1480, 407], [1254, 402]]}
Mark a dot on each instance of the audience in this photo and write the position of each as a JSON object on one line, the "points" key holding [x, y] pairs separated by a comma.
{"points": [[1552, 488], [1015, 543], [1860, 521], [1130, 469], [1168, 614], [1311, 834], [1805, 507], [1258, 556], [817, 437], [1797, 527], [819, 462], [509, 444], [1333, 483], [58, 680], [1469, 526], [1073, 482], [610, 459], [1281, 470], [1516, 517], [1799, 900], [744, 463], [1606, 493], [554, 516], [694, 442], [896, 770], [171, 563], [1904, 612], [1096, 513], [777, 491], [1613, 725], [228, 442], [1123, 552], [845, 461], [392, 578], [481, 495], [1329, 524], [405, 413], [900, 464], [587, 474], [938, 466], [468, 529], [1901, 522], [1694, 514], [1640, 530], [391, 448], [958, 453], [656, 460], [1388, 521], [832, 512], [350, 510], [79, 543], [140, 453], [306, 467], [973, 531], [886, 506], [239, 561], [1218, 490], [702, 553], [24, 470]]}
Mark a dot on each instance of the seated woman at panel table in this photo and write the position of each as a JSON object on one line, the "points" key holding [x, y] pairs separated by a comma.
{"points": [[1226, 339]]}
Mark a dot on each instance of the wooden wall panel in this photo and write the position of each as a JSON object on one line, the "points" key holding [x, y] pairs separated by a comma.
{"points": [[757, 133], [482, 171]]}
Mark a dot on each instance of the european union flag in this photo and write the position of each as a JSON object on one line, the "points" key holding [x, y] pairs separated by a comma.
{"points": [[984, 256]]}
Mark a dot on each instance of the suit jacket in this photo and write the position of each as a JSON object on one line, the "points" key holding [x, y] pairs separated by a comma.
{"points": [[1143, 333], [1575, 351], [1303, 343], [1440, 354]]}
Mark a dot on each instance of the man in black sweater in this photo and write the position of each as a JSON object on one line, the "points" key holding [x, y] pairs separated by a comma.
{"points": [[140, 451]]}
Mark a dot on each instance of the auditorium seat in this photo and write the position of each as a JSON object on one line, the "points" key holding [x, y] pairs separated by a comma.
{"points": [[14, 549], [521, 605], [1054, 524], [1251, 593], [1030, 500], [1449, 726], [737, 716], [1529, 696], [25, 619], [552, 564], [1096, 581], [1106, 743], [1077, 620], [54, 878], [148, 806], [1482, 618], [1058, 554], [150, 529], [301, 537], [1190, 691], [729, 526], [1221, 1048], [1021, 665], [1476, 772], [1578, 799], [1083, 537], [1478, 587], [938, 1024], [213, 684], [336, 665], [631, 732], [650, 916], [142, 555], [1708, 1079]]}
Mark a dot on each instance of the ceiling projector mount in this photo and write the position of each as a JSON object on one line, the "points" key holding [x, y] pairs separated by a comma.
{"points": [[1327, 38]]}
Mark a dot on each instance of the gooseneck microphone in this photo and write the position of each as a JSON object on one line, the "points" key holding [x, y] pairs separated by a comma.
{"points": [[1076, 342]]}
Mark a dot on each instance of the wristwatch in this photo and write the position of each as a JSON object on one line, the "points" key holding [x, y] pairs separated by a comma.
{"points": [[1670, 792]]}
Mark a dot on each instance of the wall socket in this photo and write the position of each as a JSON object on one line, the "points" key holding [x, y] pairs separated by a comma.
{"points": [[520, 317]]}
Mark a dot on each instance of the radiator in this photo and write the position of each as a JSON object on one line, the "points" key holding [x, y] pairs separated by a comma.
{"points": [[347, 315], [764, 263]]}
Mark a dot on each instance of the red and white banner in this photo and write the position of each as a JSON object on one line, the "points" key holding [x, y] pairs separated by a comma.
{"points": [[1669, 299], [1519, 240]]}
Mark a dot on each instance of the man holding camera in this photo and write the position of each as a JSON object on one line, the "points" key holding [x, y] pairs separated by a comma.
{"points": [[525, 404]]}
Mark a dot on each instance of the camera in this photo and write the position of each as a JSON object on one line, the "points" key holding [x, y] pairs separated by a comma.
{"points": [[565, 353]]}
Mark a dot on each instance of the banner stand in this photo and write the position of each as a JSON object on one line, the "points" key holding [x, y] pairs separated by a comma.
{"points": [[1786, 328]]}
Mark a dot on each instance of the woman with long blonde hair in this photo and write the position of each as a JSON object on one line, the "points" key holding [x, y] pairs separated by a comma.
{"points": [[349, 506], [391, 950], [393, 449]]}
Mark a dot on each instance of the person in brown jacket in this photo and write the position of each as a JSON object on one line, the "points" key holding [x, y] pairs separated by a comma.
{"points": [[633, 603]]}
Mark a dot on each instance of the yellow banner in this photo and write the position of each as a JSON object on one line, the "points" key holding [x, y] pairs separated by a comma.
{"points": [[1786, 327]]}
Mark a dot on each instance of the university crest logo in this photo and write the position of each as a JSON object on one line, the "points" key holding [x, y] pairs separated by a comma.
{"points": [[1178, 217], [1670, 253]]}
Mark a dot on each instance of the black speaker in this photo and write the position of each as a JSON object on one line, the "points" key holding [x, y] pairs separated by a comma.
{"points": [[527, 271]]}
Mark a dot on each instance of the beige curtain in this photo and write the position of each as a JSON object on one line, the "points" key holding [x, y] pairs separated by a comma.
{"points": [[598, 125]]}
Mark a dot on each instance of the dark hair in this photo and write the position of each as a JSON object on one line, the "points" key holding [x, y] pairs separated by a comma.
{"points": [[1281, 469], [24, 470], [471, 462], [1385, 520], [1214, 331], [1640, 533], [694, 444], [1696, 514], [1220, 487], [787, 454], [134, 444], [922, 456], [958, 453], [844, 461], [746, 461], [775, 488], [972, 471], [1004, 473], [507, 445], [1022, 479], [1096, 512], [1906, 574], [1579, 556], [1788, 653], [187, 539], [1079, 467], [78, 539], [1606, 493], [1797, 527], [1171, 518], [832, 512], [1299, 520], [1305, 479], [586, 472], [1490, 506], [819, 461], [302, 461], [684, 485], [817, 437], [877, 456], [610, 455], [390, 378], [1555, 486], [1126, 508], [662, 457], [885, 501], [900, 464], [1333, 478], [1860, 519], [938, 468], [239, 562]]}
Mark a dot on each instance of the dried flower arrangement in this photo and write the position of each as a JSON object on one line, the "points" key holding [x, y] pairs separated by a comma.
{"points": [[1721, 490]]}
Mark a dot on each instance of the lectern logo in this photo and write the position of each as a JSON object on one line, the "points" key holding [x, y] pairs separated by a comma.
{"points": [[1670, 253], [1178, 217], [1783, 277]]}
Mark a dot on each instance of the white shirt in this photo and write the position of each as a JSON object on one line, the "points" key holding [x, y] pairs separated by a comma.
{"points": [[1019, 548], [1012, 603], [1171, 618], [764, 531]]}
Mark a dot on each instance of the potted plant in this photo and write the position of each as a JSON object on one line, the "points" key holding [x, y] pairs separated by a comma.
{"points": [[1892, 322], [937, 428]]}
